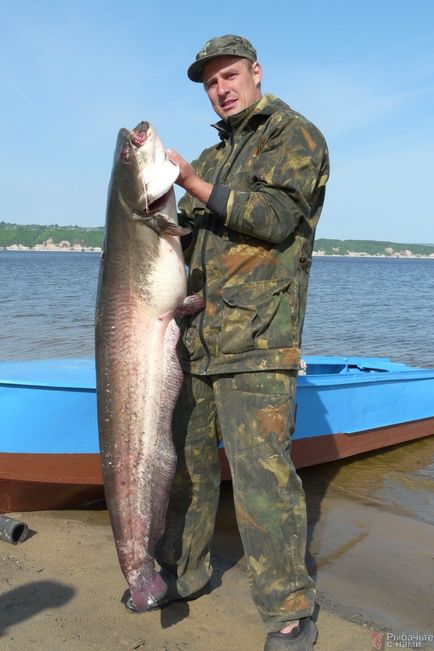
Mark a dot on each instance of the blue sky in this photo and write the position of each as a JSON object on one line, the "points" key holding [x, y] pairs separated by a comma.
{"points": [[75, 71]]}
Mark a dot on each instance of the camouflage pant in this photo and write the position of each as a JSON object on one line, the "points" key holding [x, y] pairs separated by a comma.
{"points": [[254, 413]]}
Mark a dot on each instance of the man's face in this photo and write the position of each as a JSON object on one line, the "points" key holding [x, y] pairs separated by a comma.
{"points": [[231, 84]]}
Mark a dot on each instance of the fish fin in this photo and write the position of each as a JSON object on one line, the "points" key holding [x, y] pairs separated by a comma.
{"points": [[160, 224], [191, 305]]}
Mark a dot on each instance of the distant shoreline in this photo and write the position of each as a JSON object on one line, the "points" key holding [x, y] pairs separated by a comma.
{"points": [[39, 237], [363, 254], [77, 248]]}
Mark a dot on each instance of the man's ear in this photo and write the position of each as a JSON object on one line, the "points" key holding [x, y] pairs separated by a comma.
{"points": [[257, 72]]}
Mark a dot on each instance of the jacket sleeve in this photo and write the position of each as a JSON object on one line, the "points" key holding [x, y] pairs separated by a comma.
{"points": [[287, 175]]}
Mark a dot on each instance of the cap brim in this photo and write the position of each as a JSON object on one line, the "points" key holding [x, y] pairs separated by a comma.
{"points": [[196, 69]]}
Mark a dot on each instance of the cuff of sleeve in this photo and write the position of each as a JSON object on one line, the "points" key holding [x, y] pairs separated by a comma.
{"points": [[218, 200]]}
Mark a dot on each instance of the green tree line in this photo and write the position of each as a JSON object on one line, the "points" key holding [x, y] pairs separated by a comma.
{"points": [[32, 234], [372, 247]]}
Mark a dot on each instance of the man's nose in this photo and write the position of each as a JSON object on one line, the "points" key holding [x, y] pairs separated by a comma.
{"points": [[222, 87]]}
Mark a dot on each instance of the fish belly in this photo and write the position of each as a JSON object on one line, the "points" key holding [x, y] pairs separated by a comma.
{"points": [[139, 382]]}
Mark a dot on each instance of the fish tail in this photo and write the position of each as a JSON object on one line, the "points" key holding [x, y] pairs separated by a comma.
{"points": [[149, 597]]}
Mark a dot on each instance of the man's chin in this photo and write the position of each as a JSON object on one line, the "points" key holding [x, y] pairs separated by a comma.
{"points": [[224, 114], [230, 112]]}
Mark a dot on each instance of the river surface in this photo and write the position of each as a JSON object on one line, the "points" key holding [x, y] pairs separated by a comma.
{"points": [[373, 307]]}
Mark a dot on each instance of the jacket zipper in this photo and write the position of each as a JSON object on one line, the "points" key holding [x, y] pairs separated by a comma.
{"points": [[203, 266], [202, 315]]}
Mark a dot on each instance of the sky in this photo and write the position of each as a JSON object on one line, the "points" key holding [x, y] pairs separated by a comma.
{"points": [[75, 71]]}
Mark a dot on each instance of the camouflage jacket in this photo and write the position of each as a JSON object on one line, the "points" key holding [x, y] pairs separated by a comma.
{"points": [[252, 243]]}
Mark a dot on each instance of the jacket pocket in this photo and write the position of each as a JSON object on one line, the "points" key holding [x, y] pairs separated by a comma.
{"points": [[257, 315]]}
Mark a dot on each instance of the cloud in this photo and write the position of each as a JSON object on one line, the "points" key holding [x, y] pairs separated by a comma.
{"points": [[341, 104], [34, 106]]}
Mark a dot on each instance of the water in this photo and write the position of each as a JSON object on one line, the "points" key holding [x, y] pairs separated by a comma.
{"points": [[47, 304], [357, 306], [373, 307]]}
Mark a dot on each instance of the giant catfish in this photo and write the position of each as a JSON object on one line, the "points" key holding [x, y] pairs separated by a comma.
{"points": [[142, 285]]}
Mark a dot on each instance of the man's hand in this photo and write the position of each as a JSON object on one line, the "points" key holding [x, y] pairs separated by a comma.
{"points": [[186, 171], [188, 179]]}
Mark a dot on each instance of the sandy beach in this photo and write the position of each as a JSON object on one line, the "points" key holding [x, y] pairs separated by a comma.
{"points": [[61, 588]]}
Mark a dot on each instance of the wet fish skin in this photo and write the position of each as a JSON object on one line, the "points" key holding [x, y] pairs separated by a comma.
{"points": [[142, 283]]}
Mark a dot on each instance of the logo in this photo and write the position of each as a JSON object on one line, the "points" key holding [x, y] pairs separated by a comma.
{"points": [[377, 640]]}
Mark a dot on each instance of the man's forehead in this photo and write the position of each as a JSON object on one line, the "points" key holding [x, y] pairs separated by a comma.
{"points": [[219, 65]]}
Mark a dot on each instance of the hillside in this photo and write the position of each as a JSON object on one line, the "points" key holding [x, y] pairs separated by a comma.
{"points": [[54, 237], [371, 247], [36, 235]]}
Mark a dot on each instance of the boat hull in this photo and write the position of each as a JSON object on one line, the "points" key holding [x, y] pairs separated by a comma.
{"points": [[49, 457], [38, 482]]}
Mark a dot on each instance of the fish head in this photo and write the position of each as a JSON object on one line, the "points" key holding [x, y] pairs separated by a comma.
{"points": [[126, 183], [158, 172]]}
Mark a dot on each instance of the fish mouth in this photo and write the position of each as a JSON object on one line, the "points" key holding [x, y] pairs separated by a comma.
{"points": [[158, 203], [139, 134]]}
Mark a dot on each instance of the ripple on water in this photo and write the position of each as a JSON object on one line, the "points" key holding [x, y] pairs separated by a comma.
{"points": [[398, 479]]}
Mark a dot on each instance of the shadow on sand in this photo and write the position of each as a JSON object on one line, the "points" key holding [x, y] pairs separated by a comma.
{"points": [[28, 600]]}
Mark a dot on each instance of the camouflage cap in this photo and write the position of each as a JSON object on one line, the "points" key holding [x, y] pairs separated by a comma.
{"points": [[229, 45]]}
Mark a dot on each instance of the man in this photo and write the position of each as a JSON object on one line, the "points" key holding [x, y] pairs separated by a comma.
{"points": [[253, 202]]}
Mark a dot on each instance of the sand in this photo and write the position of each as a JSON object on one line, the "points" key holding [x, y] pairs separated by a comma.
{"points": [[60, 589]]}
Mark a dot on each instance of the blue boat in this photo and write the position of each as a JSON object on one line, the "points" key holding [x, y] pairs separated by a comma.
{"points": [[49, 456]]}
